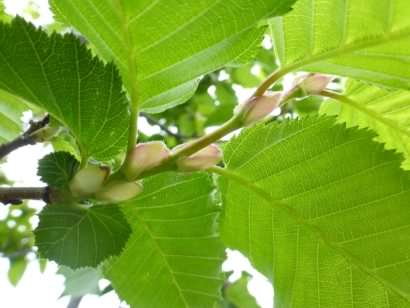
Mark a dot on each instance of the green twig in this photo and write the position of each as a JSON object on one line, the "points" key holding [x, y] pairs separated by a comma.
{"points": [[192, 147], [272, 78]]}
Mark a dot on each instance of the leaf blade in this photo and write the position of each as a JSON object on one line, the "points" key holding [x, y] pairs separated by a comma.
{"points": [[57, 169], [363, 40], [382, 110], [173, 53], [59, 74], [174, 242], [65, 234], [321, 172]]}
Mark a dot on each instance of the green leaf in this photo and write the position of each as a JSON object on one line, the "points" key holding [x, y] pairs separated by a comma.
{"points": [[57, 169], [81, 281], [237, 293], [243, 76], [4, 17], [227, 101], [59, 74], [16, 271], [79, 237], [386, 112], [169, 43], [321, 210], [367, 40], [11, 112], [174, 255]]}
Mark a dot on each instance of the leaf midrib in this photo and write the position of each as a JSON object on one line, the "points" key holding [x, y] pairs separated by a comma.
{"points": [[167, 265], [348, 48], [315, 230]]}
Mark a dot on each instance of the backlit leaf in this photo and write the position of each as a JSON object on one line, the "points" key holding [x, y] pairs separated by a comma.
{"points": [[385, 111], [174, 256], [170, 43], [367, 40], [332, 225]]}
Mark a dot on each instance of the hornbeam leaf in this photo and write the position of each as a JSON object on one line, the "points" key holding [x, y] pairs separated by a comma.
{"points": [[237, 294], [57, 169], [79, 237], [174, 255], [321, 210], [11, 112], [367, 40], [3, 15], [387, 112], [59, 74], [170, 43], [81, 281]]}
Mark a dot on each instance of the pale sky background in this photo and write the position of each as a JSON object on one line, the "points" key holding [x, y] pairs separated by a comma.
{"points": [[43, 290]]}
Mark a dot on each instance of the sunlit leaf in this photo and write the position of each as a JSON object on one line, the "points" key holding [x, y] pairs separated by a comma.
{"points": [[174, 256], [170, 43], [387, 112], [332, 226], [367, 40]]}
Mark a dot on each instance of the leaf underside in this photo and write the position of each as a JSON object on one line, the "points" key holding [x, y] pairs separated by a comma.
{"points": [[81, 281], [367, 40], [11, 112], [57, 169], [171, 43], [346, 243], [78, 237], [59, 74], [385, 111], [174, 255]]}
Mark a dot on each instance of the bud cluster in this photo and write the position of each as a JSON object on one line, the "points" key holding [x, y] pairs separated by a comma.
{"points": [[92, 181]]}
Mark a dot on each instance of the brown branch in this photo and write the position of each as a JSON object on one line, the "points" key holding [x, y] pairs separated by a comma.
{"points": [[28, 137], [15, 195]]}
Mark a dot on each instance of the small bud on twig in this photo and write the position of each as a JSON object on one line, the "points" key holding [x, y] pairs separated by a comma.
{"points": [[257, 108], [119, 191], [145, 156], [201, 160], [89, 180], [315, 83]]}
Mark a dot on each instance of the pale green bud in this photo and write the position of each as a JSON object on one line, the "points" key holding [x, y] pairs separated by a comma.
{"points": [[89, 180], [201, 160], [119, 191], [145, 156], [257, 108]]}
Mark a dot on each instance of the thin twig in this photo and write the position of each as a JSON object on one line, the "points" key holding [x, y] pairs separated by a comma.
{"points": [[180, 138], [24, 139], [74, 301], [268, 82]]}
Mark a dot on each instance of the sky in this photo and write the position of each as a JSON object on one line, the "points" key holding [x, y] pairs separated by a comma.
{"points": [[43, 290]]}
